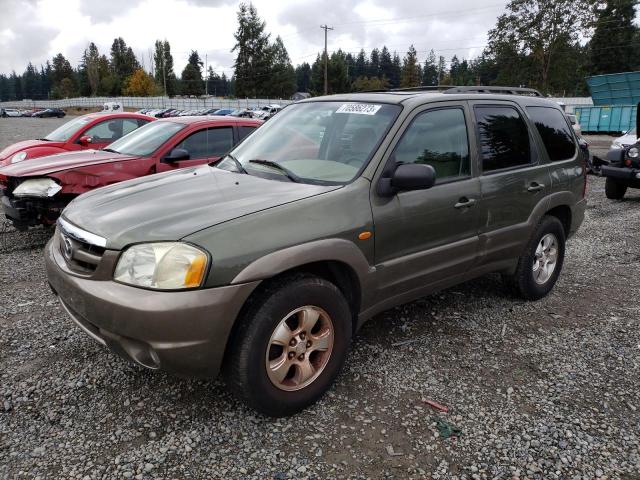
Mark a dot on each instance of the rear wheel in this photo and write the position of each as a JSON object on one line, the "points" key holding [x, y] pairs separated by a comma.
{"points": [[614, 190], [290, 345], [540, 264]]}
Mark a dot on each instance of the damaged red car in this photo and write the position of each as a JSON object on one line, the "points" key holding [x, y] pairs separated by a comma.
{"points": [[96, 130], [35, 192]]}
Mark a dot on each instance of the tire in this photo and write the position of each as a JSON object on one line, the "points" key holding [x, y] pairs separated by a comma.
{"points": [[529, 282], [614, 190], [253, 349]]}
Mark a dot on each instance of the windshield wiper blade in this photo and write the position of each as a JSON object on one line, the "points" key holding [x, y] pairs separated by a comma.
{"points": [[237, 163], [111, 150], [288, 173], [44, 139]]}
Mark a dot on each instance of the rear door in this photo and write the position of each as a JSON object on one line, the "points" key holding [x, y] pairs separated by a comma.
{"points": [[204, 145], [426, 236], [514, 179]]}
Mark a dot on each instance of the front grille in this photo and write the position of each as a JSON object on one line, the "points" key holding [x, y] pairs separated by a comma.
{"points": [[78, 248]]}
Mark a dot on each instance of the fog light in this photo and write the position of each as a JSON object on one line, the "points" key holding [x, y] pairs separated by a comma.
{"points": [[638, 176], [633, 152]]}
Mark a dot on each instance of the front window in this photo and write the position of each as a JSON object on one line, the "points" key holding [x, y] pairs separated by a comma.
{"points": [[317, 142], [147, 139], [66, 131]]}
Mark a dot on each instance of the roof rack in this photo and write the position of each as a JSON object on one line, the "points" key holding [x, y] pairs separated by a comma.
{"points": [[530, 92]]}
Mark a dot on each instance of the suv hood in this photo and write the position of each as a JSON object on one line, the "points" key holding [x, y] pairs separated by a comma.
{"points": [[11, 150], [172, 205], [61, 161]]}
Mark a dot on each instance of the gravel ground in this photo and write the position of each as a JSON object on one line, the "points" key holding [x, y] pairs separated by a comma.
{"points": [[537, 390]]}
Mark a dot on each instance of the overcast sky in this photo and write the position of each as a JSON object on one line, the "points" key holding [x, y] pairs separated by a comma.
{"points": [[36, 30]]}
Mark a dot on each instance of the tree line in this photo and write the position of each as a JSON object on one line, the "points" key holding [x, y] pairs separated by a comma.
{"points": [[551, 45]]}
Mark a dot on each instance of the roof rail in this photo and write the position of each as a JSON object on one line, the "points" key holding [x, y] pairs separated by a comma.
{"points": [[530, 92]]}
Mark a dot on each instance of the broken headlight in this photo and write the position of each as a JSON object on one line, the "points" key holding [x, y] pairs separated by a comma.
{"points": [[37, 187], [162, 266]]}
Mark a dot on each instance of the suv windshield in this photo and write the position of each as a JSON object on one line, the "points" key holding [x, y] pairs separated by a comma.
{"points": [[146, 139], [64, 132], [318, 142]]}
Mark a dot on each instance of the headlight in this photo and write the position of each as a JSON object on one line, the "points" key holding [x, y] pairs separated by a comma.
{"points": [[633, 152], [37, 187], [18, 157], [162, 266]]}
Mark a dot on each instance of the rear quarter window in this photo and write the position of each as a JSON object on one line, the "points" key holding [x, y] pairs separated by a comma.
{"points": [[555, 132]]}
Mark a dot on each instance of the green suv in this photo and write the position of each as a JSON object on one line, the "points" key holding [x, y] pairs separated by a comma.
{"points": [[265, 264]]}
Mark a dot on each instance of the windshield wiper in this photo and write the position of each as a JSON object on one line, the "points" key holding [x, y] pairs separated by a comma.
{"points": [[111, 150], [237, 163], [288, 173], [44, 139]]}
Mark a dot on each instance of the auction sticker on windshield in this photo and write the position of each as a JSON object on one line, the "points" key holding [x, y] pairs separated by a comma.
{"points": [[359, 108]]}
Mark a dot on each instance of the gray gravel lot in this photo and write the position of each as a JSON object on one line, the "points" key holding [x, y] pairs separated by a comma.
{"points": [[538, 390]]}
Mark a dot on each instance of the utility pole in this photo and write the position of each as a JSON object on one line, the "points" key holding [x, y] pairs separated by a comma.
{"points": [[164, 76], [326, 58], [206, 75]]}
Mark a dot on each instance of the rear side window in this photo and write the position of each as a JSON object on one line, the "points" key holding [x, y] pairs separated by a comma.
{"points": [[555, 132], [504, 138], [212, 142], [437, 138]]}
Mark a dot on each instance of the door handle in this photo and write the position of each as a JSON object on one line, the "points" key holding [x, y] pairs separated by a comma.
{"points": [[535, 187], [465, 202]]}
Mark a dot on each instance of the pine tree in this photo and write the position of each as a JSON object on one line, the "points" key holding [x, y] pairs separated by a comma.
{"points": [[430, 70], [362, 65], [163, 63], [386, 64], [396, 69], [303, 77], [610, 46], [282, 80], [410, 76], [253, 62], [192, 82], [374, 63]]}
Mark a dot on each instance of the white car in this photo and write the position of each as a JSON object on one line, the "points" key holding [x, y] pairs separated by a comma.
{"points": [[574, 124], [626, 140], [11, 112], [266, 112]]}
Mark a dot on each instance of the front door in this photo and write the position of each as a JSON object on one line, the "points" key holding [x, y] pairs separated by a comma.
{"points": [[203, 146], [423, 237]]}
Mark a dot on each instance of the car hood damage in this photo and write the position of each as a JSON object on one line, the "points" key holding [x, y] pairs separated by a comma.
{"points": [[60, 162], [173, 205]]}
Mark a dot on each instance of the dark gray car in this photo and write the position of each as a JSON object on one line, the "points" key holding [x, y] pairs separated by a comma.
{"points": [[264, 265]]}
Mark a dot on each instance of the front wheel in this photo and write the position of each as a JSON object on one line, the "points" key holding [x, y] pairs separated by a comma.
{"points": [[540, 264], [290, 345], [614, 190]]}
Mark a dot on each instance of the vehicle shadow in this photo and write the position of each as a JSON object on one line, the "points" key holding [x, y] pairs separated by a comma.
{"points": [[12, 240]]}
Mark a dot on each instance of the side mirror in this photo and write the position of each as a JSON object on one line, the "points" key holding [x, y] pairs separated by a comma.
{"points": [[176, 155], [616, 155], [408, 176], [85, 140]]}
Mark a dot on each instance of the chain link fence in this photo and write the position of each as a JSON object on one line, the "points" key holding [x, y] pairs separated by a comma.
{"points": [[147, 102]]}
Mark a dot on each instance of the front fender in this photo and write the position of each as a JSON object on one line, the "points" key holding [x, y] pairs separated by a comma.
{"points": [[35, 152], [332, 249]]}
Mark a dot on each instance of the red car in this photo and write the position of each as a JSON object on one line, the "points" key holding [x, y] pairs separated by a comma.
{"points": [[96, 130], [35, 192]]}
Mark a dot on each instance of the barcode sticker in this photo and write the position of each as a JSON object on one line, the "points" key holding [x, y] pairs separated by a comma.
{"points": [[359, 108]]}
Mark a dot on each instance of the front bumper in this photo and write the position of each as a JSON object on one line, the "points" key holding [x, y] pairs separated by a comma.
{"points": [[181, 332], [626, 175], [29, 212]]}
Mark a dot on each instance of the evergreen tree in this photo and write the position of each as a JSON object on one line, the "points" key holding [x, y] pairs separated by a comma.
{"points": [[430, 70], [362, 65], [386, 63], [410, 75], [442, 69], [253, 62], [30, 82], [613, 36], [192, 82], [123, 63], [303, 77], [374, 63], [396, 69], [282, 81], [62, 77]]}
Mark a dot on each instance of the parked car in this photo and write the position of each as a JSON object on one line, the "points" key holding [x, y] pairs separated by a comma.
{"points": [[265, 264], [626, 140], [35, 192], [266, 112], [574, 124], [96, 130], [223, 111], [49, 112], [242, 113], [10, 112]]}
